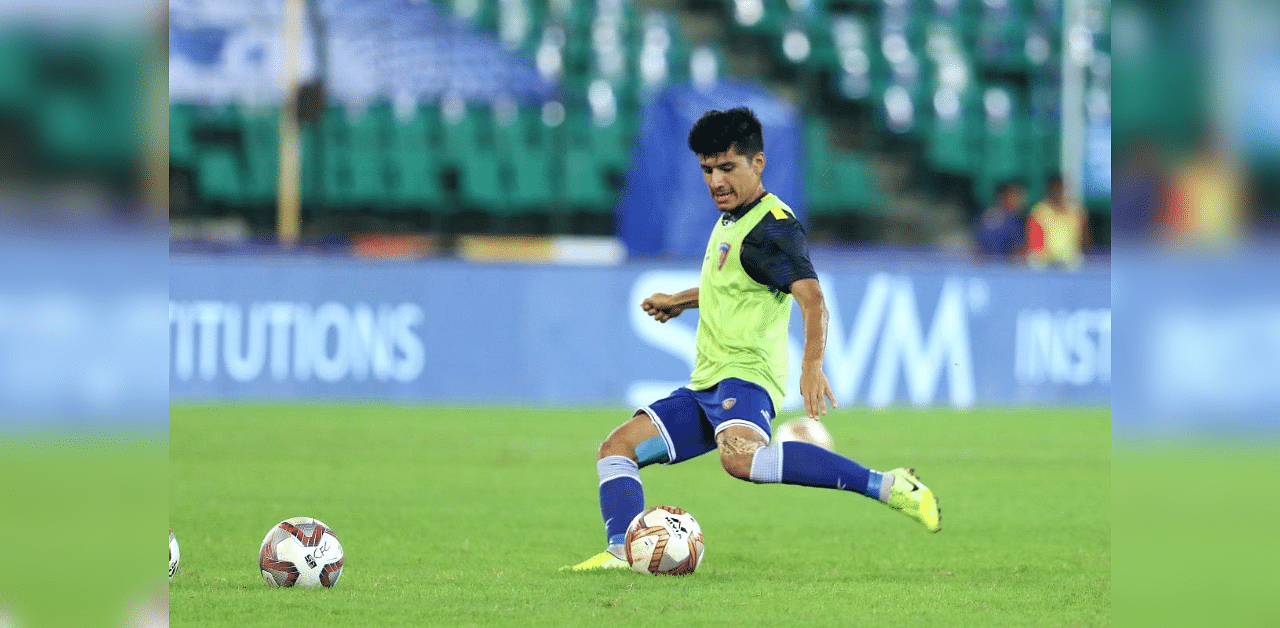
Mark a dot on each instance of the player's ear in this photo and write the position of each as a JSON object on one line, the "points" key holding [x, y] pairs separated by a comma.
{"points": [[757, 163]]}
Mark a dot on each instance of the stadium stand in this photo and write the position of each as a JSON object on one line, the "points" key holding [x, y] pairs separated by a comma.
{"points": [[531, 107]]}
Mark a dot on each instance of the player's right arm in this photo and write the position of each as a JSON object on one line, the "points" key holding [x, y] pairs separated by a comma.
{"points": [[665, 307]]}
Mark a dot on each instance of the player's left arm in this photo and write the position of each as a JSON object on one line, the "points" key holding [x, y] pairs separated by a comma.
{"points": [[814, 388], [775, 254]]}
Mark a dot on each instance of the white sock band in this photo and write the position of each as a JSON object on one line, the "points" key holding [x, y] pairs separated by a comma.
{"points": [[766, 466], [614, 467]]}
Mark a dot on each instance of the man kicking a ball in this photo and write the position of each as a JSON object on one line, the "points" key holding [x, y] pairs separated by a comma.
{"points": [[756, 261]]}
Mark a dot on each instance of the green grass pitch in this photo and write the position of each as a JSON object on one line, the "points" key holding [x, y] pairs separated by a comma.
{"points": [[462, 517]]}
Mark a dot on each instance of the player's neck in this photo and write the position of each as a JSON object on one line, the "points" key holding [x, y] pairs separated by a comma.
{"points": [[738, 211]]}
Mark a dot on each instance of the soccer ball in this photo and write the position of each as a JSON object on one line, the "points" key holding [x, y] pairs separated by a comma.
{"points": [[173, 555], [805, 430], [664, 540], [300, 552]]}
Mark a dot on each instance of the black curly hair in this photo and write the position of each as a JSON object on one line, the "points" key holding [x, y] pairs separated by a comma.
{"points": [[718, 131]]}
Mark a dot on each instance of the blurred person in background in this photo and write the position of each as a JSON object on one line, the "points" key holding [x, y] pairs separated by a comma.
{"points": [[1204, 202], [1056, 229], [1138, 192], [1001, 230]]}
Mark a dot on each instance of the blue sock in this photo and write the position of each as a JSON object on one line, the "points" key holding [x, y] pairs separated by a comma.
{"points": [[803, 464], [621, 495]]}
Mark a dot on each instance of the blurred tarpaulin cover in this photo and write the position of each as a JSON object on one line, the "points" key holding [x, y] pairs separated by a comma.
{"points": [[233, 50]]}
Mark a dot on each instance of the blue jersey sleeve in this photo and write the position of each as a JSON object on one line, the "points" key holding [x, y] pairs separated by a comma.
{"points": [[775, 253]]}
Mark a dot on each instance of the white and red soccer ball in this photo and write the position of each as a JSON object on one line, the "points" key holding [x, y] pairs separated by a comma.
{"points": [[174, 555], [300, 552], [805, 430], [664, 540]]}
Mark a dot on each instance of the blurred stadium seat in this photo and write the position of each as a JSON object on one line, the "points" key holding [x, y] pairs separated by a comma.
{"points": [[970, 85]]}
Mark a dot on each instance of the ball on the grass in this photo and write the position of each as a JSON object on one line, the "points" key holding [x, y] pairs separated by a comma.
{"points": [[664, 540], [174, 555], [805, 430], [301, 552]]}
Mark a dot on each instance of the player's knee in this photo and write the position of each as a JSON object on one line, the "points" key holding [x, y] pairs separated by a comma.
{"points": [[615, 445], [737, 464], [738, 451], [622, 440]]}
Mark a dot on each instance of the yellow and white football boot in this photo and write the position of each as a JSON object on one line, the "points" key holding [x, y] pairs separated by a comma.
{"points": [[912, 498]]}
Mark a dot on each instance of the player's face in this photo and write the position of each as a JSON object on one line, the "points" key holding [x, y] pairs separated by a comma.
{"points": [[731, 178]]}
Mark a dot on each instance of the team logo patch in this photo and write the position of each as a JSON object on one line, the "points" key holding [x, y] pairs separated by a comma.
{"points": [[724, 254], [728, 403]]}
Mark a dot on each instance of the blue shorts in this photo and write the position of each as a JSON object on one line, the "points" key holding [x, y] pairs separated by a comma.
{"points": [[689, 420]]}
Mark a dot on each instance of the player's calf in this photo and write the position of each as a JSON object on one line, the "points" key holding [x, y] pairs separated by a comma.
{"points": [[632, 445]]}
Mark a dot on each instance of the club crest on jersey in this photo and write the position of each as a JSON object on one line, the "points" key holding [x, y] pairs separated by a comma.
{"points": [[724, 255], [728, 403]]}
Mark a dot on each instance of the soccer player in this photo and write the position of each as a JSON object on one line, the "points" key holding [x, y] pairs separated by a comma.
{"points": [[756, 262]]}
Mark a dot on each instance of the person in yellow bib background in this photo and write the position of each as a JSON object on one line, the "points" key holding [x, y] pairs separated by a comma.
{"points": [[1056, 229], [1204, 207]]}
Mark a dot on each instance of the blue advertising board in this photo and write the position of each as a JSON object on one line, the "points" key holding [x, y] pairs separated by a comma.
{"points": [[453, 332]]}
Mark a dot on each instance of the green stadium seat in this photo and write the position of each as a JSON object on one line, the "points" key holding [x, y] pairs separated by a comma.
{"points": [[374, 127], [481, 183], [1001, 39], [820, 177], [369, 176], [1005, 155], [422, 127], [613, 146], [335, 126], [572, 15], [468, 146], [591, 154], [1044, 156], [70, 125], [823, 189], [182, 146], [312, 174], [219, 176], [952, 145], [414, 180], [838, 182], [858, 186], [17, 69], [584, 187], [949, 148], [466, 135], [413, 177], [336, 177], [526, 147], [768, 23], [261, 138], [355, 158]]}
